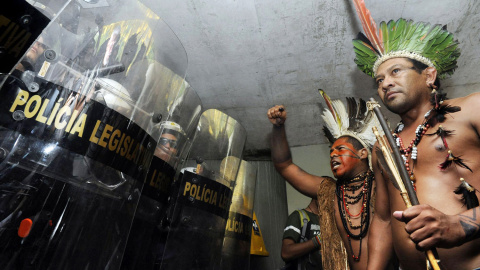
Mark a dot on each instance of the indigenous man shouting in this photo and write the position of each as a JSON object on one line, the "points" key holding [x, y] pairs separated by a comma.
{"points": [[344, 205]]}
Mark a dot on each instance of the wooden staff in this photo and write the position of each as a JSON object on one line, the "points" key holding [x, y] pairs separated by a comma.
{"points": [[400, 174]]}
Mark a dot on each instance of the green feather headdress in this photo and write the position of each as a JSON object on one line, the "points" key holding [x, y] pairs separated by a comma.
{"points": [[431, 45]]}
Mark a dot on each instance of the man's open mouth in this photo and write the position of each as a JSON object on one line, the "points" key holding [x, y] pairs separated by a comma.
{"points": [[334, 164]]}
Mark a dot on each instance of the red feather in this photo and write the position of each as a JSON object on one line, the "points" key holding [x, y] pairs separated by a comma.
{"points": [[451, 159], [328, 101], [369, 25]]}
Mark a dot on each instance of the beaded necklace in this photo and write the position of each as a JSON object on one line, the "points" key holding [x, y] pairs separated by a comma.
{"points": [[411, 150], [364, 214]]}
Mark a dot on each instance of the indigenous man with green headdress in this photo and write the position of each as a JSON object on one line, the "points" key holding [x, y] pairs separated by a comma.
{"points": [[438, 139]]}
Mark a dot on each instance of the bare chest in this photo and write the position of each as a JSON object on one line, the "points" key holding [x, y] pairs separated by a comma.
{"points": [[444, 154], [351, 221]]}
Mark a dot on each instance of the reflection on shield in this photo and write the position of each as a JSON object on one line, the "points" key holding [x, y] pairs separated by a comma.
{"points": [[204, 192], [75, 142], [150, 228], [236, 243]]}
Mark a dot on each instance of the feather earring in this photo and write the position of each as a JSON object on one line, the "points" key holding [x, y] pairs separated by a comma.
{"points": [[469, 196], [435, 97]]}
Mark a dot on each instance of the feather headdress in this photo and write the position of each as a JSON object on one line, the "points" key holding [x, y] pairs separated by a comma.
{"points": [[431, 45], [356, 122]]}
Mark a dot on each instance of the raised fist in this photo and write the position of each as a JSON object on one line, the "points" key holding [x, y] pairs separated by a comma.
{"points": [[277, 115]]}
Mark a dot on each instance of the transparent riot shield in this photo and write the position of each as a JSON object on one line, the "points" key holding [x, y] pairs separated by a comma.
{"points": [[203, 194], [236, 243], [76, 115], [149, 230]]}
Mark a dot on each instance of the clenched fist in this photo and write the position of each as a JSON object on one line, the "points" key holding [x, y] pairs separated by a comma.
{"points": [[277, 115]]}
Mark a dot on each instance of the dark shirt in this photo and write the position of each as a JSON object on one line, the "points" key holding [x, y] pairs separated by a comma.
{"points": [[293, 230]]}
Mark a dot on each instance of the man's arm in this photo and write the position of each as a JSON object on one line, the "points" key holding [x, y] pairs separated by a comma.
{"points": [[292, 250], [304, 182], [291, 246], [430, 228], [380, 245]]}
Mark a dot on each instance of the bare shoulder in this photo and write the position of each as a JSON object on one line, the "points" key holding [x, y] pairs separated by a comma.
{"points": [[470, 106], [469, 102]]}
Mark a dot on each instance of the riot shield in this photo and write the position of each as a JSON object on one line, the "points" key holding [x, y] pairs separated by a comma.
{"points": [[236, 243], [76, 116], [203, 194], [149, 230]]}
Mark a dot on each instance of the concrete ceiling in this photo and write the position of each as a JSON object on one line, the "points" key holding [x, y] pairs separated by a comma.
{"points": [[246, 56]]}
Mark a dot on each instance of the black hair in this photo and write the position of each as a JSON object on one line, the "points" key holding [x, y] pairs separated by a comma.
{"points": [[419, 67], [356, 144]]}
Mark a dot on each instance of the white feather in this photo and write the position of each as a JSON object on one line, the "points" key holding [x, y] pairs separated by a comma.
{"points": [[331, 123], [339, 129]]}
